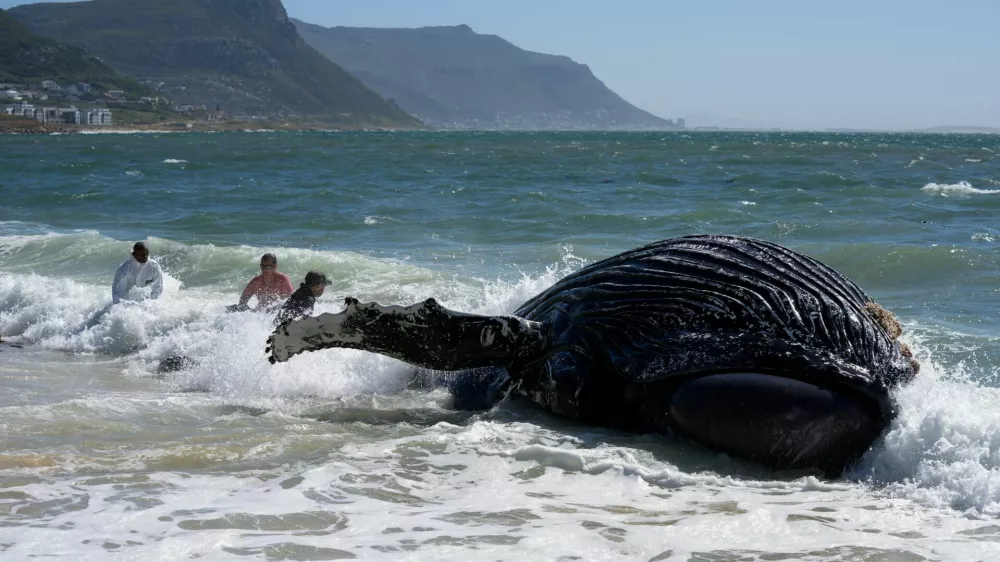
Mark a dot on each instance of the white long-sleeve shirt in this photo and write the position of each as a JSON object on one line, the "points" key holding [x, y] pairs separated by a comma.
{"points": [[134, 274]]}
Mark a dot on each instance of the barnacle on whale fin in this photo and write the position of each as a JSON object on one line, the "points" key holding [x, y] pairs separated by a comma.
{"points": [[908, 353], [885, 319], [892, 326]]}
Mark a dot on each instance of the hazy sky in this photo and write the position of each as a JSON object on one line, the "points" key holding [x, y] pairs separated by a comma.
{"points": [[846, 63]]}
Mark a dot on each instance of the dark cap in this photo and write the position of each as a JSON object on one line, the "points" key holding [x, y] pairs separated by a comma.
{"points": [[140, 246], [316, 278]]}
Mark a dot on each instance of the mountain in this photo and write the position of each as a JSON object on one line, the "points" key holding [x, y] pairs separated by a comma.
{"points": [[455, 77], [29, 58], [244, 55]]}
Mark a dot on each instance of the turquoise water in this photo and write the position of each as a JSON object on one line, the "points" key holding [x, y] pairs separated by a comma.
{"points": [[482, 221], [912, 218]]}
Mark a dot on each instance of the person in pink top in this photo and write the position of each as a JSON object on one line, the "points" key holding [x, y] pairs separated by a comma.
{"points": [[271, 287]]}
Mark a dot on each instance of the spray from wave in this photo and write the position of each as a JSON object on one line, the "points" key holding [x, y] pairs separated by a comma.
{"points": [[55, 295], [942, 451], [960, 188]]}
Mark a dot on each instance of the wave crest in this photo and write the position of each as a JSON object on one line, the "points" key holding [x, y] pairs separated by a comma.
{"points": [[960, 188]]}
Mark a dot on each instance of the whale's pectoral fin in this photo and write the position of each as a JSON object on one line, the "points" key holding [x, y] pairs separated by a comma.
{"points": [[425, 334], [780, 422], [683, 356]]}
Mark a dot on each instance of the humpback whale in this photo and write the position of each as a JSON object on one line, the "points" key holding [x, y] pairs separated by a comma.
{"points": [[742, 345]]}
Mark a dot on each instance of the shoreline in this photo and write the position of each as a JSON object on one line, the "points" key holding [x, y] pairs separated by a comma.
{"points": [[30, 127], [10, 126]]}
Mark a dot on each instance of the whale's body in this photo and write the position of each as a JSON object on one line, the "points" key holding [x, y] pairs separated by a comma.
{"points": [[741, 344]]}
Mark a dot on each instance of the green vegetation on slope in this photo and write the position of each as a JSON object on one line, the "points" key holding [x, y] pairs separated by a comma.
{"points": [[29, 58], [244, 55]]}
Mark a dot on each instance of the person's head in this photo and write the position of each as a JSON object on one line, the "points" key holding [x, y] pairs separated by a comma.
{"points": [[268, 264], [140, 251], [316, 281]]}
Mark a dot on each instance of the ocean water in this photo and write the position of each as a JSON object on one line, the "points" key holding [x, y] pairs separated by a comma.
{"points": [[332, 456]]}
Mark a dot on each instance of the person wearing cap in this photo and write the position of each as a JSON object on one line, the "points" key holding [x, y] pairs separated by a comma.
{"points": [[269, 287], [304, 298], [139, 270]]}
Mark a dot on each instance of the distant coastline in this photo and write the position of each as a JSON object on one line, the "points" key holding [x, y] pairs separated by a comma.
{"points": [[960, 130], [963, 130], [29, 126]]}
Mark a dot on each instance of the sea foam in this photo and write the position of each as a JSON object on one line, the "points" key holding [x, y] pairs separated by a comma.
{"points": [[960, 188]]}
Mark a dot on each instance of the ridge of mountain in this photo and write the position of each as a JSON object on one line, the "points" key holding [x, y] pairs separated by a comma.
{"points": [[451, 76]]}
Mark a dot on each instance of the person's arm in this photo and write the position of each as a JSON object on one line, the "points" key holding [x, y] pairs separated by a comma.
{"points": [[157, 283], [251, 289], [120, 285], [291, 310], [285, 288], [284, 314]]}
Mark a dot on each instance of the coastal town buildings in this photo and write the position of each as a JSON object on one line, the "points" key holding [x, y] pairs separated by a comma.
{"points": [[60, 115], [26, 98], [98, 116]]}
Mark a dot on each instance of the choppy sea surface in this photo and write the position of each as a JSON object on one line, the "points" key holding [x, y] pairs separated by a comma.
{"points": [[332, 456]]}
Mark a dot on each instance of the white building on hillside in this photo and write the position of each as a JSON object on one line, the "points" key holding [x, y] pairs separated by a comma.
{"points": [[98, 116], [70, 115], [24, 109], [48, 115], [60, 115]]}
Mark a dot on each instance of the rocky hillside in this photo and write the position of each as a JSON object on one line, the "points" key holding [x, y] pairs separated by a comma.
{"points": [[26, 58], [454, 77], [243, 55]]}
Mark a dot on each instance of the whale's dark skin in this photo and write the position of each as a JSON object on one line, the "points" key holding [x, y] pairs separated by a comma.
{"points": [[740, 344]]}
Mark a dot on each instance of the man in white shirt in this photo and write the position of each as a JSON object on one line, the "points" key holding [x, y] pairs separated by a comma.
{"points": [[137, 271]]}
